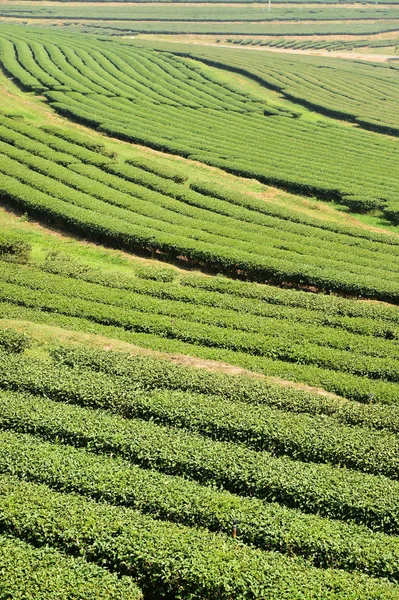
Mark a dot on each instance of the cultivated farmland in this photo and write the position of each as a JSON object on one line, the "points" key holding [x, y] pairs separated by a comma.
{"points": [[146, 97], [199, 290]]}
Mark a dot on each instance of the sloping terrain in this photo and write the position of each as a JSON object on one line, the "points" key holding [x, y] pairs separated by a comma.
{"points": [[347, 90], [226, 425], [145, 96]]}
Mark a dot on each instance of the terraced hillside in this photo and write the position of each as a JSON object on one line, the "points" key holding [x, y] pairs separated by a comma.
{"points": [[352, 351], [347, 90], [144, 96], [90, 441], [68, 183], [209, 18], [199, 373]]}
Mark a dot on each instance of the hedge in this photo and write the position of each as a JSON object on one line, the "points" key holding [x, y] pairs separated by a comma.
{"points": [[170, 560], [29, 573], [269, 526], [156, 373], [315, 488], [13, 341]]}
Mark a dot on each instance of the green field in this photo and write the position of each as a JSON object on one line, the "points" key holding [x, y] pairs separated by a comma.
{"points": [[353, 28], [144, 96], [319, 44], [350, 91], [212, 18], [76, 420], [199, 291], [212, 13]]}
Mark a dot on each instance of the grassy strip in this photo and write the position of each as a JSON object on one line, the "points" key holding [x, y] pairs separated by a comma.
{"points": [[153, 373]]}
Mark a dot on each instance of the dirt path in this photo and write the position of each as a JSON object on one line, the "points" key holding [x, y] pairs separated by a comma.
{"points": [[335, 54], [51, 334]]}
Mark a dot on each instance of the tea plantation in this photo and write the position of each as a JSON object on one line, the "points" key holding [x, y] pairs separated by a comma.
{"points": [[199, 325]]}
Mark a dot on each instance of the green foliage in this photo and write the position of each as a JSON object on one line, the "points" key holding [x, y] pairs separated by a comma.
{"points": [[174, 455], [212, 18], [318, 44], [211, 12], [318, 488], [171, 560], [153, 373], [29, 573], [96, 83], [66, 182], [307, 438], [209, 327], [346, 347], [60, 263], [14, 248], [324, 542], [155, 273], [153, 166], [78, 139], [13, 341]]}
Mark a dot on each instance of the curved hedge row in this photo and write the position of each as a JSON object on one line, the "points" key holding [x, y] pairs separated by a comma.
{"points": [[375, 364], [364, 337], [151, 373], [152, 80], [347, 385], [351, 91], [306, 438]]}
